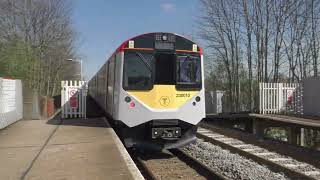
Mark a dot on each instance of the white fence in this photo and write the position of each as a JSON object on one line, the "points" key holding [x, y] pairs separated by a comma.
{"points": [[213, 102], [10, 102], [276, 98], [73, 99]]}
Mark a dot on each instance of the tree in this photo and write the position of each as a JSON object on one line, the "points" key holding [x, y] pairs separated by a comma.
{"points": [[248, 26], [221, 27], [36, 37], [277, 38]]}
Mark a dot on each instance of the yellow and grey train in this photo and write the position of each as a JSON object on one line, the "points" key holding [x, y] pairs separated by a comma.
{"points": [[152, 88]]}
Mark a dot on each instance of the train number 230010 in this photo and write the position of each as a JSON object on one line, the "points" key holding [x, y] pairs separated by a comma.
{"points": [[183, 95]]}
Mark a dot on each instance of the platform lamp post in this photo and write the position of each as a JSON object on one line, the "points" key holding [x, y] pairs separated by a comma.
{"points": [[79, 61]]}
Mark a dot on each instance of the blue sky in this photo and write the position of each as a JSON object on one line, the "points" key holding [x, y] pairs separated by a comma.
{"points": [[102, 25]]}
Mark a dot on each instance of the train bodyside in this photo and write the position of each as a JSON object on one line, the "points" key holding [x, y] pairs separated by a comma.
{"points": [[162, 116]]}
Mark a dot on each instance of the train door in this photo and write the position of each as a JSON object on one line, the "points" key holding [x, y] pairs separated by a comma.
{"points": [[106, 86], [110, 86], [117, 81]]}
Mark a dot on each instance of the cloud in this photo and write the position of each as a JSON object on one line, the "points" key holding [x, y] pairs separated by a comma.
{"points": [[168, 7]]}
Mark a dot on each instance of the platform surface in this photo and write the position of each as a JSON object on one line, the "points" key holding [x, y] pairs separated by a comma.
{"points": [[73, 149], [313, 122], [305, 121]]}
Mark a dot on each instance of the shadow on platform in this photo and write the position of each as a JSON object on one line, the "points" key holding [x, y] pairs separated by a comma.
{"points": [[94, 114]]}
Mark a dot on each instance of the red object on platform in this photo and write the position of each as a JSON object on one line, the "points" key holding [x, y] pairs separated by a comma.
{"points": [[74, 102], [50, 106]]}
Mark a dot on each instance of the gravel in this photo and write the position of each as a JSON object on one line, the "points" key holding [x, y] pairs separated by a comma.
{"points": [[231, 165], [165, 165]]}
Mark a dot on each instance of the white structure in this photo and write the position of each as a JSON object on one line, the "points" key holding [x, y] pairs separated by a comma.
{"points": [[278, 98], [213, 102], [73, 99], [311, 96], [10, 101]]}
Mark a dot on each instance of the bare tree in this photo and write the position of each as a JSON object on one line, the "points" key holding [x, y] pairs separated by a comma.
{"points": [[314, 28], [45, 29], [280, 43], [248, 25], [221, 25]]}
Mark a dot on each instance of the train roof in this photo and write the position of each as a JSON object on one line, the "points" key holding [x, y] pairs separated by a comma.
{"points": [[160, 41]]}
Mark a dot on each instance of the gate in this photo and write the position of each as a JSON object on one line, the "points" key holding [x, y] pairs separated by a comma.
{"points": [[73, 99], [280, 98]]}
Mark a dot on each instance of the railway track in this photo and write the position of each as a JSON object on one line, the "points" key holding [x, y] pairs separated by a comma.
{"points": [[172, 164], [277, 162]]}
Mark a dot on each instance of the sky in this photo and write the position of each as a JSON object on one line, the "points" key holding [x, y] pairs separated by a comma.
{"points": [[102, 25]]}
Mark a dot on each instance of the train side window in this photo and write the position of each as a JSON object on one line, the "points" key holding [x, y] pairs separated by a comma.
{"points": [[138, 71]]}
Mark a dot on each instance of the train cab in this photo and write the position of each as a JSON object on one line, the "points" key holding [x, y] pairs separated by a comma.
{"points": [[154, 91]]}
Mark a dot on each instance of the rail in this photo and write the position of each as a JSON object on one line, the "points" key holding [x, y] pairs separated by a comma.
{"points": [[276, 162], [182, 160]]}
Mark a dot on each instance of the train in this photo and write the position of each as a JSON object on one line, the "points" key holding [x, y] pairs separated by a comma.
{"points": [[152, 89]]}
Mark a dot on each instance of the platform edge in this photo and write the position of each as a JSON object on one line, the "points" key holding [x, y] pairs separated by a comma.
{"points": [[136, 174]]}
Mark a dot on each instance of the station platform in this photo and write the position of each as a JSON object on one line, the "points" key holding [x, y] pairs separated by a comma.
{"points": [[303, 121], [73, 149]]}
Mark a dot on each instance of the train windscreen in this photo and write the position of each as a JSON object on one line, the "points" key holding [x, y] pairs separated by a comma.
{"points": [[188, 71], [143, 69], [138, 71]]}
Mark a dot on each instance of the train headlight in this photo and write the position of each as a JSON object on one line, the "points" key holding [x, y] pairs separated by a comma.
{"points": [[164, 37], [127, 99]]}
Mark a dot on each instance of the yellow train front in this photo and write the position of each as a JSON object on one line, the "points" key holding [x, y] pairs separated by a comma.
{"points": [[152, 88]]}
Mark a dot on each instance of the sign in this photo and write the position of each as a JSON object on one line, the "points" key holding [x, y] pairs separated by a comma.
{"points": [[289, 92], [289, 96], [72, 91], [73, 102], [164, 101], [194, 48], [131, 44], [73, 99]]}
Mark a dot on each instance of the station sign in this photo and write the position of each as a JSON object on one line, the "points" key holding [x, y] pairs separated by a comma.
{"points": [[73, 100], [289, 96]]}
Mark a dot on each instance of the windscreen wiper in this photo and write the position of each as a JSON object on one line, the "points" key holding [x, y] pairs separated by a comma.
{"points": [[144, 61]]}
